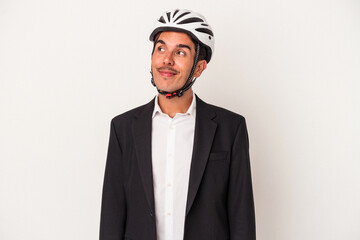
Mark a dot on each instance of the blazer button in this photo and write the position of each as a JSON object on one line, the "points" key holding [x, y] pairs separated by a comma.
{"points": [[151, 214]]}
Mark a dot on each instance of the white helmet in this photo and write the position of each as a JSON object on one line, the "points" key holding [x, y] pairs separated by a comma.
{"points": [[192, 23]]}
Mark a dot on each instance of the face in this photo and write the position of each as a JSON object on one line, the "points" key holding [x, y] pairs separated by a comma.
{"points": [[172, 61]]}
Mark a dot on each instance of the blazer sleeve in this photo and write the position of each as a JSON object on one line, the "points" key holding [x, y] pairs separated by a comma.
{"points": [[113, 209], [241, 210]]}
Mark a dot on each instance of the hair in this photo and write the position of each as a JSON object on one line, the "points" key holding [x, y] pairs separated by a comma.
{"points": [[202, 51]]}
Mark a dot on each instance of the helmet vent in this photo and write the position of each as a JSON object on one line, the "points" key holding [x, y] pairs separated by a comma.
{"points": [[186, 13], [176, 11], [204, 24], [168, 15], [205, 30], [191, 20], [162, 20]]}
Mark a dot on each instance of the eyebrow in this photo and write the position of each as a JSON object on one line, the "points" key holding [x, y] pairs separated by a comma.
{"points": [[184, 46], [179, 45], [160, 41]]}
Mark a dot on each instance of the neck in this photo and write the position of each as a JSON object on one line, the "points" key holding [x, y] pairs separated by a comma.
{"points": [[176, 104]]}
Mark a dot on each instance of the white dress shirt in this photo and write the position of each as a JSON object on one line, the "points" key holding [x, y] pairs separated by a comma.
{"points": [[172, 146]]}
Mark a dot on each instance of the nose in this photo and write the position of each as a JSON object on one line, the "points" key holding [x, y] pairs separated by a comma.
{"points": [[168, 59]]}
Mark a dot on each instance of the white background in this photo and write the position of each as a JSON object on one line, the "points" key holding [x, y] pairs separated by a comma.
{"points": [[292, 68]]}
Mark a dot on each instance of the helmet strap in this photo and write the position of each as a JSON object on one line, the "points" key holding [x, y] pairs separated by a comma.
{"points": [[189, 82]]}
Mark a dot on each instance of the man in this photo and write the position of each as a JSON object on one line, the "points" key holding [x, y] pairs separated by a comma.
{"points": [[177, 167]]}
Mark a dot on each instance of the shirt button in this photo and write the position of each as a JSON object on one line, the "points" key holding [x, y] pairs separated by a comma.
{"points": [[169, 155], [169, 185], [172, 128], [169, 214]]}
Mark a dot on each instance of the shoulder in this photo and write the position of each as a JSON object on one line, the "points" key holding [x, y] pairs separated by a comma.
{"points": [[128, 116], [221, 114], [225, 113]]}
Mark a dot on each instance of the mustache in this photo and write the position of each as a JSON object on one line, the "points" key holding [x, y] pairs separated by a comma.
{"points": [[168, 69]]}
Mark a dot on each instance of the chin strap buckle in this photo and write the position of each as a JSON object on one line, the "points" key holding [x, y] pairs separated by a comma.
{"points": [[171, 95]]}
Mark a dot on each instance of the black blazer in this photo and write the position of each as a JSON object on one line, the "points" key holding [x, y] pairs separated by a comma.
{"points": [[220, 199]]}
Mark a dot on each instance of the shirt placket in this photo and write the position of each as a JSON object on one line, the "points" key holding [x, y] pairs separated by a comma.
{"points": [[169, 180]]}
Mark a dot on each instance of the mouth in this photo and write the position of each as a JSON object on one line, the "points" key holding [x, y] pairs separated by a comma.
{"points": [[166, 72]]}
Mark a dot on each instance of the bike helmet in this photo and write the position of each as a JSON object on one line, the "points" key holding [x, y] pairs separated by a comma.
{"points": [[192, 23]]}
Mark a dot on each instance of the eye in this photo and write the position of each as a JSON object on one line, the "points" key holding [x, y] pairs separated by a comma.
{"points": [[181, 53], [161, 49]]}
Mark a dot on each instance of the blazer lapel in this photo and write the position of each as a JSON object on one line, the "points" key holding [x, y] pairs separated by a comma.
{"points": [[205, 129], [142, 138]]}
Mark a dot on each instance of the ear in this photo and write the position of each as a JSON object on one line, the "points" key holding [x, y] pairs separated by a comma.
{"points": [[200, 67]]}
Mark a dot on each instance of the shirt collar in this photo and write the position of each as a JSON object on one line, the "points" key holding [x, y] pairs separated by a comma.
{"points": [[191, 110]]}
